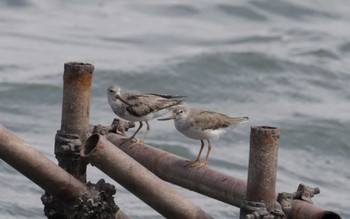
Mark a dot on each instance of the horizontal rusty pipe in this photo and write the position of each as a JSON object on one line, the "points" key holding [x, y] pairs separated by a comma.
{"points": [[38, 168], [199, 179], [262, 169], [305, 210], [138, 180]]}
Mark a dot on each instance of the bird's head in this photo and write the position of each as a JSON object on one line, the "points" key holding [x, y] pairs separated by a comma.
{"points": [[179, 112], [113, 93]]}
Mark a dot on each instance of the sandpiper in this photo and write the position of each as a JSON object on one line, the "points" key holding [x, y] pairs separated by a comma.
{"points": [[140, 107], [202, 125]]}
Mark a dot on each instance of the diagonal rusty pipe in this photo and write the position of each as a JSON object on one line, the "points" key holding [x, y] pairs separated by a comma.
{"points": [[35, 166], [138, 180], [305, 210], [43, 172], [203, 180]]}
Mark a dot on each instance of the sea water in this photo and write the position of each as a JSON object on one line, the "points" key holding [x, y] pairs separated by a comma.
{"points": [[282, 63]]}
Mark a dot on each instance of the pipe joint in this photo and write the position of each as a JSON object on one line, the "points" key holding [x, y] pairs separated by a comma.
{"points": [[118, 126], [255, 210], [67, 144], [305, 193]]}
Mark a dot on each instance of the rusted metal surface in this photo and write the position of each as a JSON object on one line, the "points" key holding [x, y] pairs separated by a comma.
{"points": [[67, 149], [119, 126], [138, 180], [176, 170], [306, 193], [35, 166], [77, 86], [68, 191], [205, 180], [262, 168], [305, 210], [298, 205]]}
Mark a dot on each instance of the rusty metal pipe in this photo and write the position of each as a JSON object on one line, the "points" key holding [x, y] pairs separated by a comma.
{"points": [[77, 85], [305, 210], [199, 179], [263, 165], [138, 180], [35, 166], [204, 180], [41, 170]]}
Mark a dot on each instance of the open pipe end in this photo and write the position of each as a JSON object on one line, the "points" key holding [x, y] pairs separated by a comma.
{"points": [[264, 131], [330, 215], [78, 67], [90, 144], [264, 127], [76, 64]]}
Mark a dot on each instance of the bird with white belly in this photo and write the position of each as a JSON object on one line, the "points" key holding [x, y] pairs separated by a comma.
{"points": [[140, 107], [202, 125]]}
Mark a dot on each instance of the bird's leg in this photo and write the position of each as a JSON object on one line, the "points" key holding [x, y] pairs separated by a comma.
{"points": [[145, 135], [207, 157], [197, 160], [138, 129]]}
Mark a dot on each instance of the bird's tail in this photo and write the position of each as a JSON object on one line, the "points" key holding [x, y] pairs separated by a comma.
{"points": [[167, 96], [239, 120], [174, 103]]}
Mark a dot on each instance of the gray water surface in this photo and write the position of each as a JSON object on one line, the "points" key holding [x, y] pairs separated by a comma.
{"points": [[282, 63]]}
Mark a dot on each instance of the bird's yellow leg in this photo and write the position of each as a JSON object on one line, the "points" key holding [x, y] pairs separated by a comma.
{"points": [[197, 160], [207, 157], [138, 129], [145, 135]]}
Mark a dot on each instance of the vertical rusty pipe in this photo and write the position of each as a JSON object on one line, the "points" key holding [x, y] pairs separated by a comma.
{"points": [[138, 180], [305, 210], [77, 85], [203, 180], [41, 170], [262, 168]]}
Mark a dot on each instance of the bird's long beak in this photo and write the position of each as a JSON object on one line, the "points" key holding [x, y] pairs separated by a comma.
{"points": [[121, 99], [168, 118]]}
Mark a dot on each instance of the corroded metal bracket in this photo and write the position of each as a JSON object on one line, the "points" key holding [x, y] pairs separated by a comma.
{"points": [[304, 193], [67, 148], [67, 143], [258, 210], [118, 126], [283, 206]]}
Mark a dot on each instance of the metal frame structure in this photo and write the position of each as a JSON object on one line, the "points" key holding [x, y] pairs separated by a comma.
{"points": [[143, 169]]}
